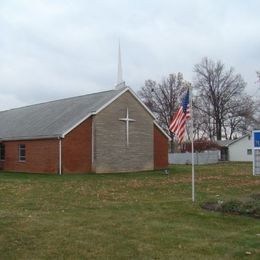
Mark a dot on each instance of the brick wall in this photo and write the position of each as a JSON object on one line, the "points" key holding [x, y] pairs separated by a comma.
{"points": [[77, 149], [41, 156], [1, 164], [160, 149], [111, 152]]}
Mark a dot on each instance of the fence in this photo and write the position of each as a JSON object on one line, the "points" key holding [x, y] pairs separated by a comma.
{"points": [[207, 157]]}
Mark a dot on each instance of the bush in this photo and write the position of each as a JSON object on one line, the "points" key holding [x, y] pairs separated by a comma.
{"points": [[232, 206], [252, 208], [249, 208]]}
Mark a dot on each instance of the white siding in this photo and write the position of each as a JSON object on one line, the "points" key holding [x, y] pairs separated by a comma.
{"points": [[238, 150]]}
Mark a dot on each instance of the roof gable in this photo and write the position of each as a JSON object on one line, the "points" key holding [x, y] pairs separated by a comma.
{"points": [[112, 100]]}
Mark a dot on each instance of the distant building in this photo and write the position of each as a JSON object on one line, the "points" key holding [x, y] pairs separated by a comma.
{"points": [[238, 150]]}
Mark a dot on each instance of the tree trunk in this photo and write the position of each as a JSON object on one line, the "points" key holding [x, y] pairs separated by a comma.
{"points": [[218, 129]]}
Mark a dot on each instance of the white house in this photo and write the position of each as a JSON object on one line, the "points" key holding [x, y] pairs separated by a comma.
{"points": [[241, 149], [238, 150]]}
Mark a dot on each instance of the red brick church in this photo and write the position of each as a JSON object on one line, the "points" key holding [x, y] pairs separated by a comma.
{"points": [[111, 131]]}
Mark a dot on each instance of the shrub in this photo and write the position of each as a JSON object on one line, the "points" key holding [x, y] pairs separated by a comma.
{"points": [[249, 207], [232, 206]]}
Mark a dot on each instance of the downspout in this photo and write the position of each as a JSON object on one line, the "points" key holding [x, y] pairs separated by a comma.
{"points": [[60, 158], [93, 166]]}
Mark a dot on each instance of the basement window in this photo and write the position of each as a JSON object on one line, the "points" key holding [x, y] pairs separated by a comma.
{"points": [[2, 152], [249, 151], [22, 153]]}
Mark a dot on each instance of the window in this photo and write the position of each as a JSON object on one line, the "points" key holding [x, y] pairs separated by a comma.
{"points": [[22, 152], [2, 152], [249, 151]]}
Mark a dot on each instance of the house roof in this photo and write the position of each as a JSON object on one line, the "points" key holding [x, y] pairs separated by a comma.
{"points": [[55, 119], [226, 143], [240, 138], [51, 119]]}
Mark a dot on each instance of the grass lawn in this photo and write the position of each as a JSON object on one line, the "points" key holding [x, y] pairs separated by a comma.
{"points": [[127, 216]]}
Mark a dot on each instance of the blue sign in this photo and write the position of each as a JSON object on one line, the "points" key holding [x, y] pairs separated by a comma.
{"points": [[256, 139]]}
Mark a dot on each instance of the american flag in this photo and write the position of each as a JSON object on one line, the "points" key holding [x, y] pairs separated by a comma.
{"points": [[177, 125]]}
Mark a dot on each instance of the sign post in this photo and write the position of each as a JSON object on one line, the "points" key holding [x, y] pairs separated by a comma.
{"points": [[256, 152]]}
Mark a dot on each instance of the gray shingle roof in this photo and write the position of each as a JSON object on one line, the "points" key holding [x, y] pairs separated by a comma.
{"points": [[51, 119], [224, 143]]}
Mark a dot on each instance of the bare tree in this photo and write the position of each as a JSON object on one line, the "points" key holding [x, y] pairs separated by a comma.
{"points": [[241, 118], [220, 93], [203, 121], [163, 98]]}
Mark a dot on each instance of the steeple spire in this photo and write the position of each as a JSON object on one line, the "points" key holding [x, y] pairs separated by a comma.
{"points": [[120, 82], [119, 70]]}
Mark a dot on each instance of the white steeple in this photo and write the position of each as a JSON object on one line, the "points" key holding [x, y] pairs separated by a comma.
{"points": [[120, 82], [119, 70]]}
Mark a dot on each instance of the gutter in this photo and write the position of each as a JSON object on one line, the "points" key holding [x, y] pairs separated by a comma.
{"points": [[60, 156], [28, 138]]}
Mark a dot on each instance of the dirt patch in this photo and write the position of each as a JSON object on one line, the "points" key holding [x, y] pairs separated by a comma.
{"points": [[211, 206]]}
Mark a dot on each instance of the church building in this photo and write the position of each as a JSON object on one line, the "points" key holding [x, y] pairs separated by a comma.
{"points": [[110, 131]]}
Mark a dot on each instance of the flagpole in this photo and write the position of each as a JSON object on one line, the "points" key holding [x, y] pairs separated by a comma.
{"points": [[192, 147]]}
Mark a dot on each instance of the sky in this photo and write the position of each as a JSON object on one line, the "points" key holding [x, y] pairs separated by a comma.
{"points": [[52, 49]]}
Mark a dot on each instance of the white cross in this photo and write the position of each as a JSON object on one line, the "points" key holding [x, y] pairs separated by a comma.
{"points": [[127, 120]]}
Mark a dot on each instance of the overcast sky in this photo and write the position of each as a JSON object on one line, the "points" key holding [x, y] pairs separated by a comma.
{"points": [[51, 49]]}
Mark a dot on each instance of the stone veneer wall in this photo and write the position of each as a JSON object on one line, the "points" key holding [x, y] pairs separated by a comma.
{"points": [[111, 153]]}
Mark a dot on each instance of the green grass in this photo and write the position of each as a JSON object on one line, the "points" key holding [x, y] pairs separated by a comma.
{"points": [[127, 216]]}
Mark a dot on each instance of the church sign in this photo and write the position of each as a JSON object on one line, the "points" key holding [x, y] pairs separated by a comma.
{"points": [[256, 152]]}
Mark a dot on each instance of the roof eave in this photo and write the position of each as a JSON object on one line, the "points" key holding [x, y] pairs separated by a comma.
{"points": [[77, 124], [24, 138], [166, 135]]}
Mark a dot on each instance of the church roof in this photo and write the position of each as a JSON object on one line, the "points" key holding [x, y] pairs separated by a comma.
{"points": [[54, 118]]}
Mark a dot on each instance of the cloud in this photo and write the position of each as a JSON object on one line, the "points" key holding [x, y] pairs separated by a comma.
{"points": [[54, 49]]}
